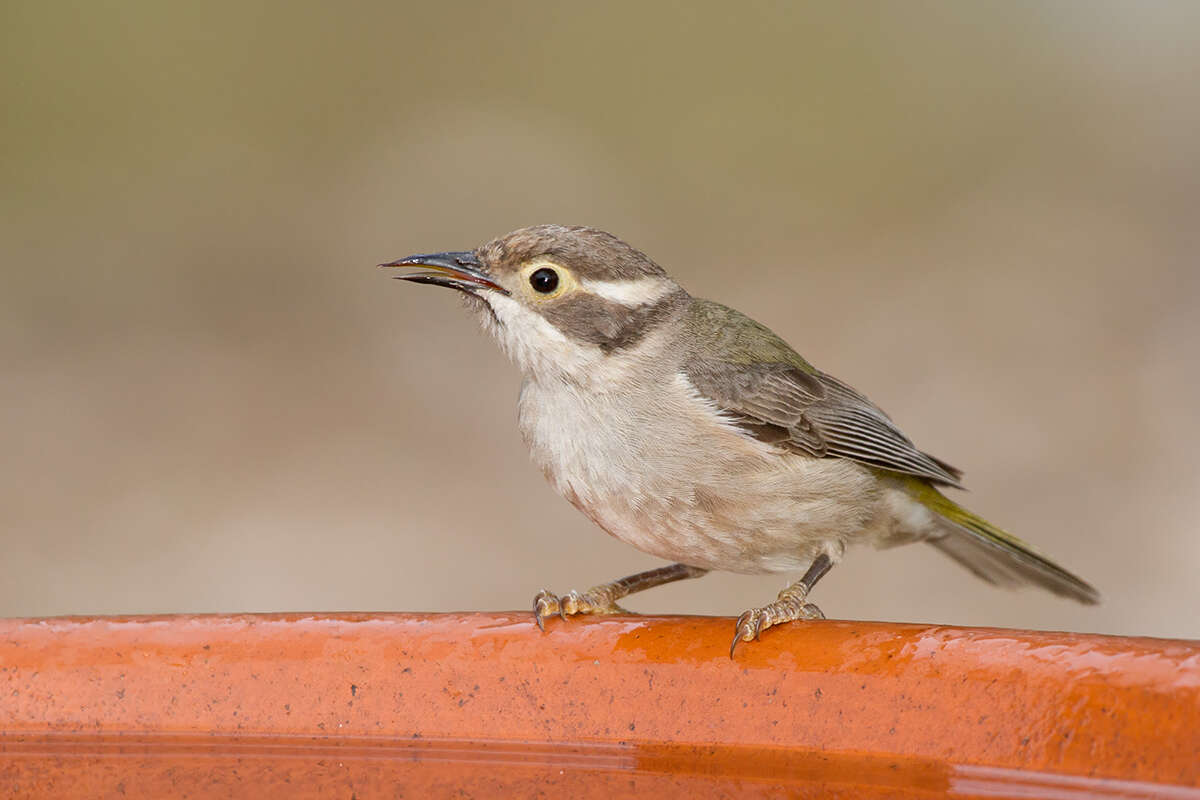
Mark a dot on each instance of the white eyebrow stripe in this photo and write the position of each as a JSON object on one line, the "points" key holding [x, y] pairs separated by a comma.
{"points": [[632, 293]]}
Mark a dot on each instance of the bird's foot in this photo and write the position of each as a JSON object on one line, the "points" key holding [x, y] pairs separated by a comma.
{"points": [[593, 601], [790, 606]]}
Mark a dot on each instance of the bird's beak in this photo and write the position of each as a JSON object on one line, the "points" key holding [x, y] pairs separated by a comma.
{"points": [[460, 270]]}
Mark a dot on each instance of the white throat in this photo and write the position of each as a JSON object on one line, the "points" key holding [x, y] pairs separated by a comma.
{"points": [[545, 354], [540, 350]]}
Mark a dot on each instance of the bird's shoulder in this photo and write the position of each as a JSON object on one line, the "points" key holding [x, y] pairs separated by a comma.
{"points": [[718, 332]]}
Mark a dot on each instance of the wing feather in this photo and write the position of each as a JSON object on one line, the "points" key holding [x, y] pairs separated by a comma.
{"points": [[779, 397]]}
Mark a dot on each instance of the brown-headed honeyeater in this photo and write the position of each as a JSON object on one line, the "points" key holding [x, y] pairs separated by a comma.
{"points": [[695, 434]]}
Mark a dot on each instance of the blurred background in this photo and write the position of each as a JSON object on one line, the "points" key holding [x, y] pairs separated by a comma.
{"points": [[984, 216]]}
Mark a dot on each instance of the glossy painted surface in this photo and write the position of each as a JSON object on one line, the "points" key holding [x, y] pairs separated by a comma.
{"points": [[332, 705]]}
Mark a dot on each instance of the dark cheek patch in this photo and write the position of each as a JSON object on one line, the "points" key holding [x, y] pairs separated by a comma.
{"points": [[609, 325]]}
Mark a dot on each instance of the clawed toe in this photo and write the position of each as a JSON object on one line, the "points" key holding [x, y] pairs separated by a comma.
{"points": [[546, 603], [570, 603], [749, 626], [752, 623], [603, 599]]}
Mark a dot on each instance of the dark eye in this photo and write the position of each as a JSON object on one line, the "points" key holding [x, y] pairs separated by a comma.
{"points": [[544, 280]]}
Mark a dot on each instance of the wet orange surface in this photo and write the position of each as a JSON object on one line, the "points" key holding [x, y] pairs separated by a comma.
{"points": [[485, 704]]}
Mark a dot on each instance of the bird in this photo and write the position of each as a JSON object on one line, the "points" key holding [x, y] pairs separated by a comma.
{"points": [[690, 431]]}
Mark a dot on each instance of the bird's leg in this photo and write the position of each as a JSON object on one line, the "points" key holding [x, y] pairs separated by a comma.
{"points": [[603, 599], [790, 606]]}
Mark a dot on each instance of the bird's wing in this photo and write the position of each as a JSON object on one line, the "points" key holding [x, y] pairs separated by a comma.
{"points": [[775, 395]]}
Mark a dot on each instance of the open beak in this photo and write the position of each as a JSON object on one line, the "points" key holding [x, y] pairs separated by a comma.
{"points": [[460, 271]]}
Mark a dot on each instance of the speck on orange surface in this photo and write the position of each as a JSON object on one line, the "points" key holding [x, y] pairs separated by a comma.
{"points": [[487, 705]]}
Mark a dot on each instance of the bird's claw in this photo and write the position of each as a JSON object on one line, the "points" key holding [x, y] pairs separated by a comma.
{"points": [[545, 603], [573, 602], [749, 625], [752, 623]]}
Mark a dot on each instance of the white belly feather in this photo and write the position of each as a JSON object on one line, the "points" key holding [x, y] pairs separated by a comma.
{"points": [[657, 467]]}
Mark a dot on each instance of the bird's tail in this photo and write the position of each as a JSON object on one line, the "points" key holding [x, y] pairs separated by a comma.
{"points": [[993, 554]]}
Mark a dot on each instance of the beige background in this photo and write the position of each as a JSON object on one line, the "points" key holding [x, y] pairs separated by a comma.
{"points": [[983, 215]]}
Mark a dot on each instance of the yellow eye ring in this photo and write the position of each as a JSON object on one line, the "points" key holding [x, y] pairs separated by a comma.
{"points": [[544, 280]]}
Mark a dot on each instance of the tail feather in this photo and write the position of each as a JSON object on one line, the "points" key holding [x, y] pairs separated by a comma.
{"points": [[993, 554]]}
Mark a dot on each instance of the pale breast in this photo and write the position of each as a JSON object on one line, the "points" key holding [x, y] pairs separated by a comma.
{"points": [[657, 467]]}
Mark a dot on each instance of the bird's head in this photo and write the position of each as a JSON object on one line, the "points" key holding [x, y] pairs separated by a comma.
{"points": [[563, 302]]}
